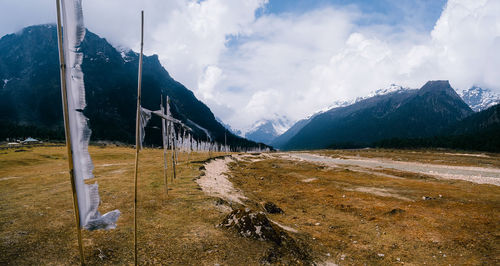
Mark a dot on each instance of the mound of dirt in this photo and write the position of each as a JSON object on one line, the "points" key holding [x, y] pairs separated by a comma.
{"points": [[272, 208], [252, 224], [395, 211], [256, 225]]}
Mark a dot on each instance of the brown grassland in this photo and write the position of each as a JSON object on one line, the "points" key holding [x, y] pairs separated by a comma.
{"points": [[348, 217], [341, 216], [37, 221]]}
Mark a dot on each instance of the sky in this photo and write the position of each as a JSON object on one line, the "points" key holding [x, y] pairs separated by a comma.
{"points": [[250, 60]]}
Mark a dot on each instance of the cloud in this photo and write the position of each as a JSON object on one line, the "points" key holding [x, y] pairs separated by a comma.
{"points": [[247, 67], [300, 64], [466, 42]]}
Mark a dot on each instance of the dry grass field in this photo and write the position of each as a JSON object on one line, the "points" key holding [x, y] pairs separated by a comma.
{"points": [[340, 216], [37, 222], [350, 217]]}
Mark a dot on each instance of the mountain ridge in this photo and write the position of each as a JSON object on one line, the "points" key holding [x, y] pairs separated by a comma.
{"points": [[382, 116], [266, 130], [479, 98], [29, 61]]}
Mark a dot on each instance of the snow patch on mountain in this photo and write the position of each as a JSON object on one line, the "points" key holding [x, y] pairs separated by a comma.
{"points": [[279, 124], [266, 130], [479, 99], [393, 88], [5, 81], [126, 53]]}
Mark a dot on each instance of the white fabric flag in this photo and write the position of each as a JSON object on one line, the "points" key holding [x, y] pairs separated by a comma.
{"points": [[87, 195], [145, 117]]}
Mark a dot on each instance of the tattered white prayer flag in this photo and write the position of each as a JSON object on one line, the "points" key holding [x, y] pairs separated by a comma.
{"points": [[145, 117], [87, 195]]}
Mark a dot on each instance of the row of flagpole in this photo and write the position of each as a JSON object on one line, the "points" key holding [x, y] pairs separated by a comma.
{"points": [[77, 133]]}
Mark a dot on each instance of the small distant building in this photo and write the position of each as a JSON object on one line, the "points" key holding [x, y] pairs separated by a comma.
{"points": [[13, 144], [31, 141]]}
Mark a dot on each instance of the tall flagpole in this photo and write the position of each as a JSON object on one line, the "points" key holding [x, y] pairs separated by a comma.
{"points": [[165, 147], [64, 94], [137, 136]]}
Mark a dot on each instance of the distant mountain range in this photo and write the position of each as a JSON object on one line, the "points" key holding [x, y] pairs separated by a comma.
{"points": [[267, 130], [399, 113], [30, 97], [479, 99], [272, 131]]}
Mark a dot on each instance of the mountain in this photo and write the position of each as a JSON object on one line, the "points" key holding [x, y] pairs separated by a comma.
{"points": [[282, 139], [229, 128], [404, 113], [479, 131], [485, 120], [30, 98], [265, 131], [479, 99]]}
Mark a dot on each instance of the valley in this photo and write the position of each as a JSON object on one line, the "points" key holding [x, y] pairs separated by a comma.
{"points": [[337, 207], [259, 132]]}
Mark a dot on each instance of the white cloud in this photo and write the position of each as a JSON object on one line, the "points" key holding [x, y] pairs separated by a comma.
{"points": [[311, 60], [289, 64], [466, 41], [208, 80]]}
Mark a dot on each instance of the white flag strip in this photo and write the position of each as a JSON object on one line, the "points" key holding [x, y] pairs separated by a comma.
{"points": [[202, 129], [145, 117], [87, 195]]}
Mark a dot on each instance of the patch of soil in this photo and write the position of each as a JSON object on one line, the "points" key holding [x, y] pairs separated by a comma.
{"points": [[395, 211], [256, 225], [272, 208]]}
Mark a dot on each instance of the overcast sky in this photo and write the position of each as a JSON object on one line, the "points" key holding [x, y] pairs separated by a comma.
{"points": [[258, 59]]}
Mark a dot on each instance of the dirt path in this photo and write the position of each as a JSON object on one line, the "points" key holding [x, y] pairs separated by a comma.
{"points": [[215, 182], [480, 175]]}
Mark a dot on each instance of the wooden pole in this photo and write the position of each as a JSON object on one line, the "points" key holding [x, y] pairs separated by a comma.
{"points": [[174, 149], [165, 147], [137, 136], [171, 132], [64, 93]]}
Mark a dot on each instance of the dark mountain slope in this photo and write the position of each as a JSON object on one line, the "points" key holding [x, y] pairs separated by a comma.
{"points": [[30, 95], [479, 131], [404, 114]]}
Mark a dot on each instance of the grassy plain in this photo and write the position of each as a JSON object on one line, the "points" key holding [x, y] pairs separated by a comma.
{"points": [[342, 216], [350, 217], [37, 222]]}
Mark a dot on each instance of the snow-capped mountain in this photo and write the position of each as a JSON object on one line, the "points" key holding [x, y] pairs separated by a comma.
{"points": [[479, 99], [295, 128], [267, 130], [396, 112], [393, 88]]}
